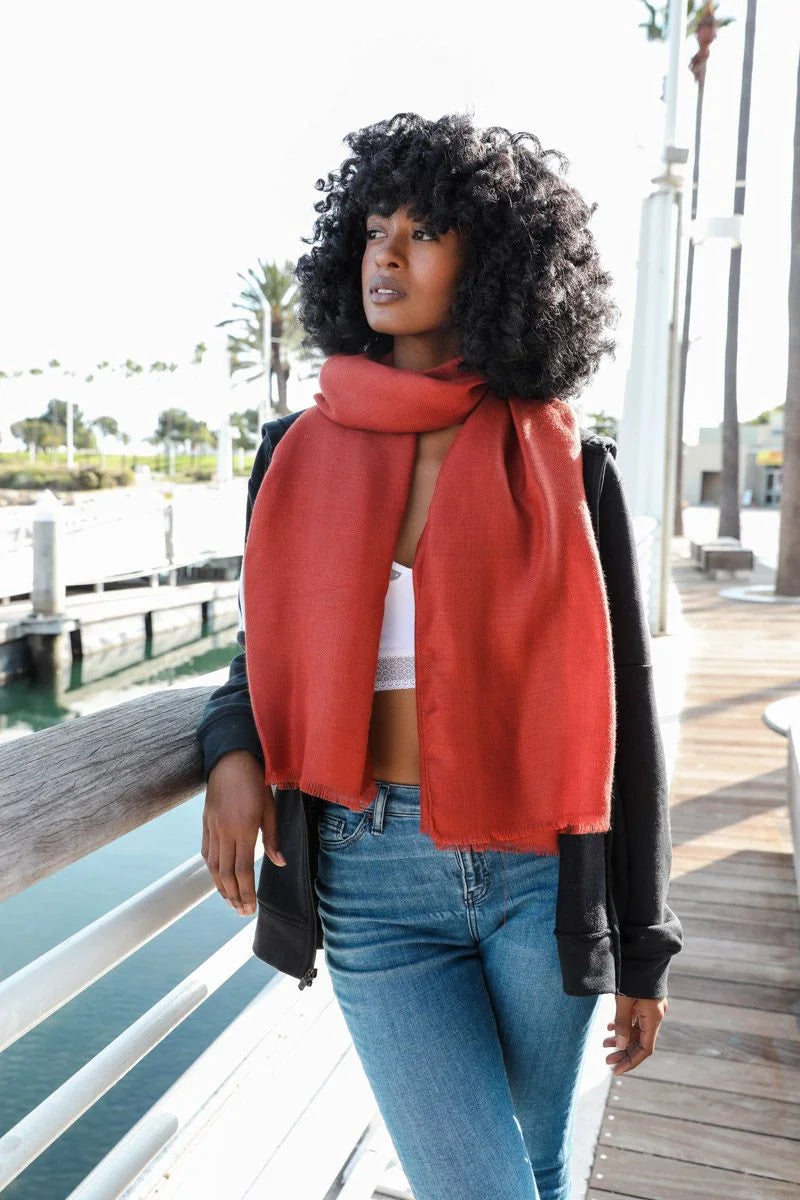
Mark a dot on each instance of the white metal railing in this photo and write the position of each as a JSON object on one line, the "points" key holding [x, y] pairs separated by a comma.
{"points": [[53, 979], [282, 1025], [645, 531], [26, 1140]]}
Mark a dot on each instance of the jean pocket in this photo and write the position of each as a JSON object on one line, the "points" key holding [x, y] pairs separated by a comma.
{"points": [[340, 827]]}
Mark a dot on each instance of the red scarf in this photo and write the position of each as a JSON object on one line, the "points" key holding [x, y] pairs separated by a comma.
{"points": [[515, 686]]}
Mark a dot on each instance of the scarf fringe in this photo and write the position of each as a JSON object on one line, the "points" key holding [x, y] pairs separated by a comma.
{"points": [[293, 779], [529, 840]]}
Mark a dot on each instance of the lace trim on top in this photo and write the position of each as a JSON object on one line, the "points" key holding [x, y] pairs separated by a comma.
{"points": [[395, 671]]}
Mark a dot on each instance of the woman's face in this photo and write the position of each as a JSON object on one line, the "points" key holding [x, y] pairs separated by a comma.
{"points": [[422, 269]]}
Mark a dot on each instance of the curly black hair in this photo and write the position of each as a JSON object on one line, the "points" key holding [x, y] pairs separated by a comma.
{"points": [[532, 299]]}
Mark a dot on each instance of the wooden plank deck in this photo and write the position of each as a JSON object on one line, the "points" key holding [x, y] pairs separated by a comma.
{"points": [[715, 1113]]}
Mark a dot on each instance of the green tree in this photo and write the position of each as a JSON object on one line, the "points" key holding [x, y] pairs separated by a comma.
{"points": [[263, 308], [106, 427], [174, 426], [201, 438], [246, 425], [603, 422], [35, 433], [764, 417], [56, 416]]}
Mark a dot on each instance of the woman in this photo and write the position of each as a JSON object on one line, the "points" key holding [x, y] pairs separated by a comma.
{"points": [[439, 654]]}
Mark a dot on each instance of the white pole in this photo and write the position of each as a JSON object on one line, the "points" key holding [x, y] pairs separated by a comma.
{"points": [[70, 435], [217, 386], [48, 595], [676, 41], [648, 433], [265, 407]]}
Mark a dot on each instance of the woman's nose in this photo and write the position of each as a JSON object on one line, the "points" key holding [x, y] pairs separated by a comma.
{"points": [[388, 252]]}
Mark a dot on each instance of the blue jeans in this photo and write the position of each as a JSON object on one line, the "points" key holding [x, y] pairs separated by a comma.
{"points": [[445, 967]]}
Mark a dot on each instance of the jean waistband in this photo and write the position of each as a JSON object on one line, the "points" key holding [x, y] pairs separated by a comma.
{"points": [[390, 797], [393, 797], [397, 797]]}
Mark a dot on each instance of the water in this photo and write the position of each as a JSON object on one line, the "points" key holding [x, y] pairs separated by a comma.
{"points": [[52, 909]]}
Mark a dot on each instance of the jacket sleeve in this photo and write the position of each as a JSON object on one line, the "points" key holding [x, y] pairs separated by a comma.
{"points": [[650, 933], [227, 722]]}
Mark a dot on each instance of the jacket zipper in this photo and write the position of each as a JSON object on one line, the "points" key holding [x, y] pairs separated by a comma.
{"points": [[417, 660], [307, 978]]}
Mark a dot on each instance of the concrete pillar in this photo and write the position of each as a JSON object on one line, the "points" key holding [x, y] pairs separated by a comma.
{"points": [[47, 627], [70, 435], [169, 532], [225, 453], [48, 597]]}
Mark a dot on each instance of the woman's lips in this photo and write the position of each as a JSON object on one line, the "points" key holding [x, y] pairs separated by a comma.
{"points": [[381, 297]]}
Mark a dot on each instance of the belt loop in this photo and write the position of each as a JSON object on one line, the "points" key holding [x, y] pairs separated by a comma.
{"points": [[379, 807]]}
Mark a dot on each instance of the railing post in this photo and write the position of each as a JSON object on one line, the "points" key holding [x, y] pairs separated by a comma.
{"points": [[49, 594], [47, 626], [169, 532]]}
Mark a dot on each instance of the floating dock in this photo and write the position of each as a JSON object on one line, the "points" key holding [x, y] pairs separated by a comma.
{"points": [[111, 627]]}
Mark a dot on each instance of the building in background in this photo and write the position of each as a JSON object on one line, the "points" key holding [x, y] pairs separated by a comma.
{"points": [[760, 463]]}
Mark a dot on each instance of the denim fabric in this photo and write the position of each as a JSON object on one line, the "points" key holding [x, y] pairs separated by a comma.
{"points": [[446, 970]]}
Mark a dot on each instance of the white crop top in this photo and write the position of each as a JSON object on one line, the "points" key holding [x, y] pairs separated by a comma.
{"points": [[396, 650]]}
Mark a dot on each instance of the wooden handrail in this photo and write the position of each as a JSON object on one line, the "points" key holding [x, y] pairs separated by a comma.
{"points": [[66, 791]]}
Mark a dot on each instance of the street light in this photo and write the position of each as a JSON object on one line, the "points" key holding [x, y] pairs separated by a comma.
{"points": [[704, 228]]}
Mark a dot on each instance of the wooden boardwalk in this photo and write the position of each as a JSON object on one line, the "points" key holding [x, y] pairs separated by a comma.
{"points": [[715, 1113]]}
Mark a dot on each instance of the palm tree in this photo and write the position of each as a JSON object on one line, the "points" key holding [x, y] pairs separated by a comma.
{"points": [[787, 582], [729, 481], [703, 23], [106, 427], [261, 301]]}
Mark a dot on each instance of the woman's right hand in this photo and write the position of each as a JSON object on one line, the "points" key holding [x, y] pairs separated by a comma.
{"points": [[238, 804]]}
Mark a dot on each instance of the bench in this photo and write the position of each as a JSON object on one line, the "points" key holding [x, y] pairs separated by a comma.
{"points": [[722, 554]]}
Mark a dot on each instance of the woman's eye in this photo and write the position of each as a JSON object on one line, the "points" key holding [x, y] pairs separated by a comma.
{"points": [[427, 232]]}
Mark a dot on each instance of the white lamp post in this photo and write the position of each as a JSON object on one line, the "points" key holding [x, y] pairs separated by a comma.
{"points": [[648, 431], [730, 228]]}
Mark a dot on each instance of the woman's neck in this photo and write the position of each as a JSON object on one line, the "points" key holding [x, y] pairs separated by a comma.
{"points": [[423, 352]]}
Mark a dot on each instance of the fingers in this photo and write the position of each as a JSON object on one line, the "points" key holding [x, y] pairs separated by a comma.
{"points": [[206, 838], [269, 835], [245, 878], [629, 1057], [211, 855], [237, 803], [635, 1029], [273, 853], [231, 868], [227, 872]]}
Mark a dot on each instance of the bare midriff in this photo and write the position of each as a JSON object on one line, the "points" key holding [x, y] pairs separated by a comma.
{"points": [[393, 736]]}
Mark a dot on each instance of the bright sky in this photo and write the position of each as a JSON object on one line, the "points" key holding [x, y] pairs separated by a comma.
{"points": [[151, 151]]}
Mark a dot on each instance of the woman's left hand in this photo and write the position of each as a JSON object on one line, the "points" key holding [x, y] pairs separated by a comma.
{"points": [[634, 1031]]}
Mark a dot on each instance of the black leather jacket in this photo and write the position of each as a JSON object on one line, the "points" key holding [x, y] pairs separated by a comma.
{"points": [[614, 929]]}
